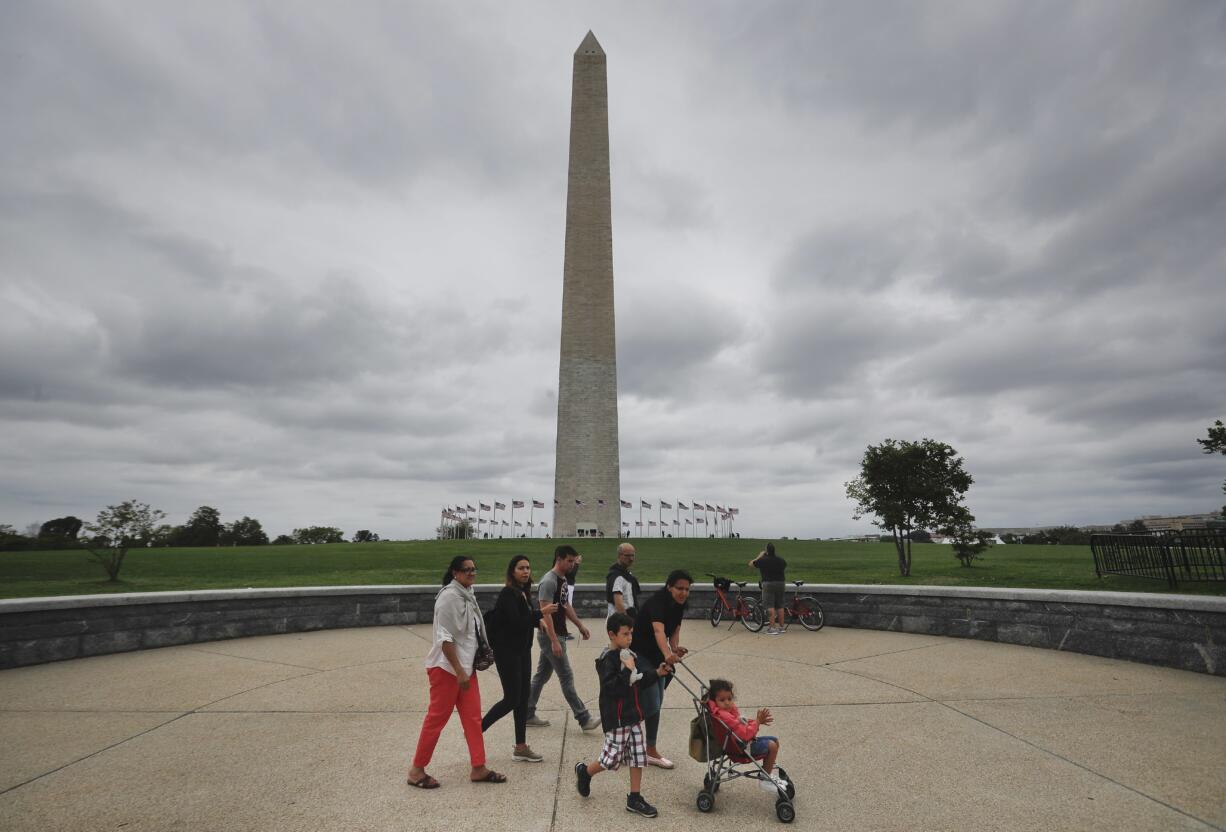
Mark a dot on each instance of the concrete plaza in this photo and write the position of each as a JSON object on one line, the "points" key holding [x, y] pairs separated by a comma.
{"points": [[879, 730]]}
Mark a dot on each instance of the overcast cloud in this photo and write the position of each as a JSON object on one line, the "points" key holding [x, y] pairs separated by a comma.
{"points": [[304, 262]]}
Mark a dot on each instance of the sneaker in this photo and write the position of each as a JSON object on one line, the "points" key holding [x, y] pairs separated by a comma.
{"points": [[635, 803], [525, 755], [583, 780], [773, 784], [660, 762], [771, 631], [536, 722], [591, 724]]}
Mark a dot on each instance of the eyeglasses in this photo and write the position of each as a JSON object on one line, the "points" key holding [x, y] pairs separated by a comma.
{"points": [[468, 570]]}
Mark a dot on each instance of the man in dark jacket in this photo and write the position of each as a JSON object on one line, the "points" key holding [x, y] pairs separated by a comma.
{"points": [[621, 588]]}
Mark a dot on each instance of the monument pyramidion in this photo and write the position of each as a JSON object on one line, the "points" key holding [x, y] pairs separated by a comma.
{"points": [[587, 476]]}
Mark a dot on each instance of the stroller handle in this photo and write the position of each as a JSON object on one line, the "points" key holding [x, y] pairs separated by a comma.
{"points": [[702, 686]]}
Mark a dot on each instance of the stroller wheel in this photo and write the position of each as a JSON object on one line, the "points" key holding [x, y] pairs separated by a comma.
{"points": [[706, 801], [791, 789], [785, 811]]}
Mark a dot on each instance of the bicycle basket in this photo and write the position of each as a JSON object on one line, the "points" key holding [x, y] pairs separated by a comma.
{"points": [[723, 583]]}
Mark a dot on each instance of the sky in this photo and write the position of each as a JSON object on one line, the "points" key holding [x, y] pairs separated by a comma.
{"points": [[303, 261]]}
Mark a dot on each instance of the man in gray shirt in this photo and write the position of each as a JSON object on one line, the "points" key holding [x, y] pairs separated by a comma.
{"points": [[553, 659]]}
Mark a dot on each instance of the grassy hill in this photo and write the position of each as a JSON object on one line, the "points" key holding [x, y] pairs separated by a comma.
{"points": [[29, 574]]}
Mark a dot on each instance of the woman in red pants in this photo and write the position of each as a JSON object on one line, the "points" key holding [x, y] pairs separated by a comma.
{"points": [[453, 685]]}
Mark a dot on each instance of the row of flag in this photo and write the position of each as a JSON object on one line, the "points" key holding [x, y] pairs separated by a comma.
{"points": [[466, 508]]}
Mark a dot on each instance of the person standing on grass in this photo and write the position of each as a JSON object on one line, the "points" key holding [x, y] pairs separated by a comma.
{"points": [[621, 715], [552, 590], [772, 568], [453, 684], [657, 638], [621, 588], [512, 623]]}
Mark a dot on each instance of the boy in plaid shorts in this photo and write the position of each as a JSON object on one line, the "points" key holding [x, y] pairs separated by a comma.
{"points": [[621, 716]]}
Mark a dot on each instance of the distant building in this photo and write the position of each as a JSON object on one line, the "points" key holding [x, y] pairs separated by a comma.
{"points": [[1182, 522]]}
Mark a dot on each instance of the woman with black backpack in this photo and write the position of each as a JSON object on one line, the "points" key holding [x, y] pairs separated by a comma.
{"points": [[510, 624]]}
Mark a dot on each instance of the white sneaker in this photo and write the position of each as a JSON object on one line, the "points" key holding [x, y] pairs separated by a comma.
{"points": [[773, 784]]}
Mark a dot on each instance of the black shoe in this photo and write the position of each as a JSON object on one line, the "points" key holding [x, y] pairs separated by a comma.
{"points": [[635, 803], [583, 780]]}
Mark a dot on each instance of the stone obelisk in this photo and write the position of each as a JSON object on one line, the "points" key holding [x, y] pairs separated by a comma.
{"points": [[587, 477]]}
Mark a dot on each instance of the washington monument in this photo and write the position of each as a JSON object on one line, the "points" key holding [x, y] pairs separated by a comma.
{"points": [[587, 477]]}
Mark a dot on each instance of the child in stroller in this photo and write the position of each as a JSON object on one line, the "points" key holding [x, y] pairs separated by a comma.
{"points": [[727, 719], [731, 747]]}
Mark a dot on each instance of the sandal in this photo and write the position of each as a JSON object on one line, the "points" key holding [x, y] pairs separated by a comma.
{"points": [[491, 776], [425, 782]]}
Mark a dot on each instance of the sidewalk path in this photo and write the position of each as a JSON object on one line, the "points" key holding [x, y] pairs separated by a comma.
{"points": [[880, 731]]}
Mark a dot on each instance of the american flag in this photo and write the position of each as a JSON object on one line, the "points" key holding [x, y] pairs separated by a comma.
{"points": [[627, 504], [517, 504], [543, 523], [578, 503], [734, 511], [697, 504], [521, 525], [719, 508], [600, 502], [665, 505], [500, 505], [638, 522], [537, 504], [625, 522], [651, 523], [484, 507], [645, 504], [699, 520], [529, 524], [682, 506], [709, 508], [688, 522]]}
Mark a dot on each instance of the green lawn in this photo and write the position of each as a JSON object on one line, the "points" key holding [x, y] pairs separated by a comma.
{"points": [[30, 574]]}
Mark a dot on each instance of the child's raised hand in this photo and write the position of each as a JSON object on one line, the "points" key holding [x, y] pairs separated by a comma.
{"points": [[764, 716]]}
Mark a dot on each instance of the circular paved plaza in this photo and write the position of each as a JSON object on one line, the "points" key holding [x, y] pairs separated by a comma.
{"points": [[879, 730]]}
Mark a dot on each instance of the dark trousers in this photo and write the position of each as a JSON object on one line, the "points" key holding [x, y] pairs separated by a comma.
{"points": [[515, 673]]}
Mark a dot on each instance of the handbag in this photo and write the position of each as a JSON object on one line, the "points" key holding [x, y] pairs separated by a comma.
{"points": [[484, 657]]}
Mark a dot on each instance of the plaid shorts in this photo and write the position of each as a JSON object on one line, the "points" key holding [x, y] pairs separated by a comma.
{"points": [[624, 745]]}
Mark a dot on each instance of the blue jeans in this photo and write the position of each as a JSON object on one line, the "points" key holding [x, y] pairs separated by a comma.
{"points": [[652, 700], [758, 748], [546, 666]]}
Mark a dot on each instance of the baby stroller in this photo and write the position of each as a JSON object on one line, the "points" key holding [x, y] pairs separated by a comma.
{"points": [[726, 756]]}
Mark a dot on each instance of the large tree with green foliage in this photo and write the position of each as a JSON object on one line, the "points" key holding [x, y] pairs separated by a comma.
{"points": [[245, 532], [119, 528], [911, 485], [319, 534]]}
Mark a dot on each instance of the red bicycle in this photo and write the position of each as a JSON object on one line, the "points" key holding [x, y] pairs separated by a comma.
{"points": [[746, 610], [804, 608]]}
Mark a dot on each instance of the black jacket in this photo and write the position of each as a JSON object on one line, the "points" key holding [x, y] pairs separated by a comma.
{"points": [[619, 699], [618, 571], [514, 622]]}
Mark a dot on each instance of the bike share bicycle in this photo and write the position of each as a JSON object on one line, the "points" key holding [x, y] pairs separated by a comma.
{"points": [[805, 608], [746, 610]]}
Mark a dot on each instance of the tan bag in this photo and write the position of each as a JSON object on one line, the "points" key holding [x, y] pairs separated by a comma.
{"points": [[698, 739]]}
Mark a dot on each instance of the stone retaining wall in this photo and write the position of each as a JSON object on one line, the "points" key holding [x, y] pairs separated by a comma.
{"points": [[1181, 631]]}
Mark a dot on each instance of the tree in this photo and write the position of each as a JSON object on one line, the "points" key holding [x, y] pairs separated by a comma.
{"points": [[203, 528], [1138, 527], [119, 528], [319, 534], [245, 532], [969, 544], [283, 540], [1216, 444], [921, 536], [1009, 538], [66, 528], [365, 536], [910, 485]]}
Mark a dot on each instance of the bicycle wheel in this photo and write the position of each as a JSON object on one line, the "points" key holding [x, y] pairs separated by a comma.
{"points": [[754, 619], [717, 613], [810, 613]]}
